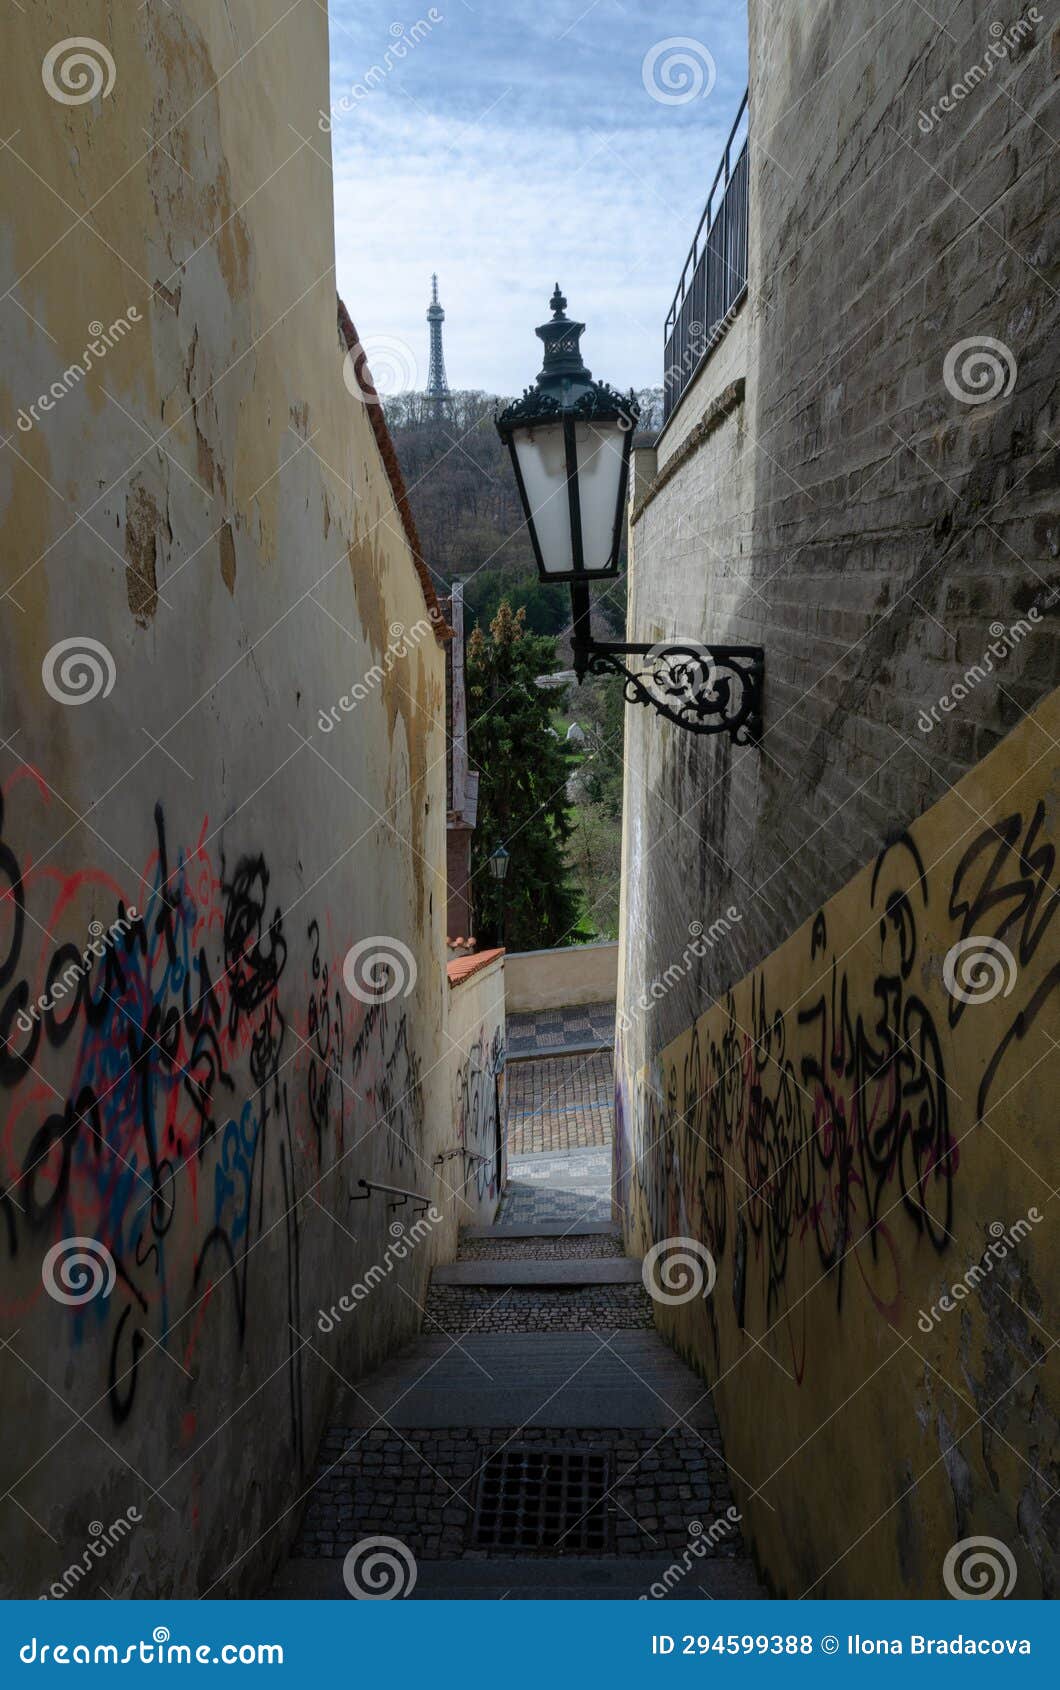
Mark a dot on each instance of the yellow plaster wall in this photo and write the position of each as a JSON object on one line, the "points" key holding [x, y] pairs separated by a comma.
{"points": [[847, 1139]]}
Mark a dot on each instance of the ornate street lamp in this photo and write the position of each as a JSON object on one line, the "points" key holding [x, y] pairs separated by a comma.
{"points": [[498, 860], [570, 439]]}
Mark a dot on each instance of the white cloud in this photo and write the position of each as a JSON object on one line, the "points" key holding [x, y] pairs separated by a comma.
{"points": [[599, 188]]}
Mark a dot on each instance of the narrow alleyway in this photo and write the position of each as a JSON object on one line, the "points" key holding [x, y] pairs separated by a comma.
{"points": [[539, 1439]]}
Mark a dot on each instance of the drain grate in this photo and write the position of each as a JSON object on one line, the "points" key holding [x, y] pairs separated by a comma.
{"points": [[545, 1499]]}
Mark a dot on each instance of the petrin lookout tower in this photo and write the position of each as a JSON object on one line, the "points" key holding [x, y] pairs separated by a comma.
{"points": [[437, 386]]}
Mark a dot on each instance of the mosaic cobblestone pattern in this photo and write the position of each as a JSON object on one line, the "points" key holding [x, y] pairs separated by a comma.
{"points": [[526, 1203], [551, 1029], [559, 1104], [597, 1246], [456, 1309], [421, 1488]]}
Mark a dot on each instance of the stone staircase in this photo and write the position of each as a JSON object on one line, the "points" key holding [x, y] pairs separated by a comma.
{"points": [[539, 1440]]}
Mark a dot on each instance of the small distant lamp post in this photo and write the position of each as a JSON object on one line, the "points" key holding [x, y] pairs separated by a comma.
{"points": [[498, 860], [570, 439]]}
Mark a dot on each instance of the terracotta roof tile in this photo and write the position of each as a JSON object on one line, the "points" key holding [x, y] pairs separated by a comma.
{"points": [[463, 968]]}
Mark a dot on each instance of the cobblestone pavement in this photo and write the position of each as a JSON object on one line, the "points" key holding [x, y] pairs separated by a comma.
{"points": [[423, 1487], [497, 1508], [557, 1190], [595, 1246], [456, 1309], [562, 1103], [548, 1030]]}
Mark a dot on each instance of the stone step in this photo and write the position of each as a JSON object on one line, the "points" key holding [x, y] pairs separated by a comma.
{"points": [[586, 1247], [586, 1047], [575, 1229], [457, 1310], [601, 1270], [545, 1578], [562, 1379]]}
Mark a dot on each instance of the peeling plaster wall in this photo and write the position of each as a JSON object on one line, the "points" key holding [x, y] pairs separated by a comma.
{"points": [[854, 1146], [209, 505]]}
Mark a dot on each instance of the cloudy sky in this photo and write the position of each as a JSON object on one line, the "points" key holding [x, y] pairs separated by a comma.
{"points": [[516, 145]]}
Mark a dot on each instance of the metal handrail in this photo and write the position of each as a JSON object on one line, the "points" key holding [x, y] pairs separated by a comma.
{"points": [[398, 1191], [724, 169], [714, 278], [472, 1155]]}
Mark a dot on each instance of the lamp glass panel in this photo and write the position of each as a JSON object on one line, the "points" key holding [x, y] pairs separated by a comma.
{"points": [[601, 453], [543, 465]]}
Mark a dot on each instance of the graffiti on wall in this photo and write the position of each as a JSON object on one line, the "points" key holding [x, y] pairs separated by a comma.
{"points": [[480, 1112], [811, 1127], [176, 1098]]}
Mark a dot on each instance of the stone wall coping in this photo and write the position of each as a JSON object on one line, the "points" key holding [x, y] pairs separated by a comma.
{"points": [[719, 408]]}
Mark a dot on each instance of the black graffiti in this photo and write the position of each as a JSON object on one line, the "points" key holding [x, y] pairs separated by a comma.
{"points": [[480, 1114]]}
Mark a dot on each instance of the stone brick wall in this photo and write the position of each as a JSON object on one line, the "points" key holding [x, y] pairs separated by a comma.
{"points": [[852, 516]]}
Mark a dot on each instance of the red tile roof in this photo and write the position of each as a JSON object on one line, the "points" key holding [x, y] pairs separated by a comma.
{"points": [[463, 968], [351, 341]]}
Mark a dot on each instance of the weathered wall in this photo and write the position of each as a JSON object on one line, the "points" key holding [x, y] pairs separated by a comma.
{"points": [[569, 974], [877, 534], [850, 1139], [478, 1050], [850, 514], [208, 503]]}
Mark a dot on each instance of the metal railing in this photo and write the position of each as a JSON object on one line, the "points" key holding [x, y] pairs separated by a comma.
{"points": [[398, 1191], [714, 278]]}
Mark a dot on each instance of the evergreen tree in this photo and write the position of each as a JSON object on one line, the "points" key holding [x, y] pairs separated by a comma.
{"points": [[522, 803]]}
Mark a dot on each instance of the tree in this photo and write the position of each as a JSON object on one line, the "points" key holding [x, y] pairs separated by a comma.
{"points": [[523, 770], [594, 850]]}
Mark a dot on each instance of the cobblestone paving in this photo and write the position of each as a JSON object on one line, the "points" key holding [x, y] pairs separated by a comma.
{"points": [[456, 1309], [666, 1492], [606, 1245], [526, 1204], [550, 1029], [422, 1486], [563, 1103]]}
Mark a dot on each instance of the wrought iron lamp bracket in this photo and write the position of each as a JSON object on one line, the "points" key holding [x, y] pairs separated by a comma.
{"points": [[706, 689]]}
